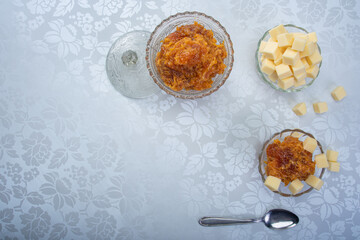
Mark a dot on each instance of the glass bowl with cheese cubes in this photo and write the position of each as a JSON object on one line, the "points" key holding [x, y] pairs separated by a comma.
{"points": [[292, 163], [288, 58]]}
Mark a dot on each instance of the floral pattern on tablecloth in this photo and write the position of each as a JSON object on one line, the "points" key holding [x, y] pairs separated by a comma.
{"points": [[80, 161]]}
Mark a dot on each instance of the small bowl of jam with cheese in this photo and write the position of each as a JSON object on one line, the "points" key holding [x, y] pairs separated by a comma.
{"points": [[292, 163], [189, 55]]}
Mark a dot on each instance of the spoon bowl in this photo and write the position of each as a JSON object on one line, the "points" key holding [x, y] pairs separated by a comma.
{"points": [[273, 219]]}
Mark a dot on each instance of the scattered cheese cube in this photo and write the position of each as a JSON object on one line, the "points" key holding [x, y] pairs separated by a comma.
{"points": [[310, 144], [300, 109], [315, 58], [299, 44], [298, 69], [273, 77], [334, 166], [276, 31], [312, 37], [321, 161], [285, 39], [262, 46], [332, 156], [272, 183], [320, 107], [308, 50], [267, 66], [283, 71], [286, 83], [290, 57], [314, 182], [296, 134], [338, 93], [299, 83], [271, 50], [312, 71], [296, 186]]}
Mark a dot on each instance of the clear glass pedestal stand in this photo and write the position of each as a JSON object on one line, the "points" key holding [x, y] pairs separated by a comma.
{"points": [[126, 66]]}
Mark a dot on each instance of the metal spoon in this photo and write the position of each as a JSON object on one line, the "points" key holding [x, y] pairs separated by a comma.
{"points": [[274, 219]]}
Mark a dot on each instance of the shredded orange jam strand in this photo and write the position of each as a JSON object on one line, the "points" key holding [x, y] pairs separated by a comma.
{"points": [[190, 58], [288, 160]]}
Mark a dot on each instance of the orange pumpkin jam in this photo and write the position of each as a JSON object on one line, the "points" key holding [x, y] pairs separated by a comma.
{"points": [[190, 58], [288, 160]]}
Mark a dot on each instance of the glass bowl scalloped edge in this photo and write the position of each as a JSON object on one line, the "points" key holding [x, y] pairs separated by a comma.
{"points": [[181, 94], [262, 155], [264, 76]]}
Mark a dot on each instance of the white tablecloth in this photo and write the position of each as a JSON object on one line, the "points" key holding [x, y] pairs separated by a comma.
{"points": [[80, 161]]}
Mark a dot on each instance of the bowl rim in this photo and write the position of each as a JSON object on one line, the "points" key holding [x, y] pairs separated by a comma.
{"points": [[263, 152], [177, 93], [266, 79]]}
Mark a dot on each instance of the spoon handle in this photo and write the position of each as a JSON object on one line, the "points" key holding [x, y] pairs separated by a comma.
{"points": [[220, 221]]}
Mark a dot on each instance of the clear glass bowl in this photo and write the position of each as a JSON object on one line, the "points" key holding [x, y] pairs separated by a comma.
{"points": [[291, 29], [168, 26], [284, 191]]}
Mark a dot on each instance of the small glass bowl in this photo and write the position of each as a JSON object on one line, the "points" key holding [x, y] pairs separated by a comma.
{"points": [[168, 26], [284, 191], [291, 29]]}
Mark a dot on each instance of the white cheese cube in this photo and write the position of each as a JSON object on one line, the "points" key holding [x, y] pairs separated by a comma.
{"points": [[299, 44], [298, 69], [312, 71], [290, 57], [301, 35], [268, 66], [272, 183], [314, 182], [310, 144], [296, 186], [321, 161], [286, 83], [331, 155], [306, 64], [300, 82], [300, 78], [320, 107], [283, 71], [262, 46], [300, 109], [315, 58], [338, 93], [334, 166], [276, 31], [296, 134], [308, 50], [285, 39], [273, 77], [271, 50], [312, 37]]}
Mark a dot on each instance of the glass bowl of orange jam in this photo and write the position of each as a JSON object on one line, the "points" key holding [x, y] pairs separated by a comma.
{"points": [[189, 55], [289, 160]]}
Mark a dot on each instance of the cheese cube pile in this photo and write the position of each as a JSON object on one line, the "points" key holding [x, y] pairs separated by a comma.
{"points": [[289, 58]]}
